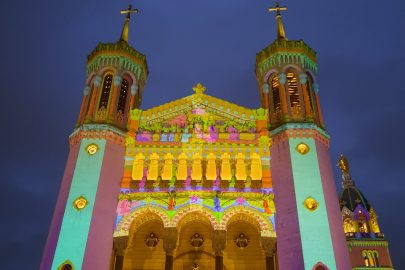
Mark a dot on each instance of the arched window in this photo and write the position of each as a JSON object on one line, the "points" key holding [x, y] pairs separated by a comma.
{"points": [[67, 266], [122, 99], [274, 84], [370, 258], [366, 260], [320, 266], [105, 91], [310, 90], [376, 261], [293, 92]]}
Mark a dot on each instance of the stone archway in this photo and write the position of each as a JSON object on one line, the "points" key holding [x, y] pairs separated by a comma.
{"points": [[145, 243], [194, 249]]}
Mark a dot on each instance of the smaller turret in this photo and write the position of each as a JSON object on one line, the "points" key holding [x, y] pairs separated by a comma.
{"points": [[360, 224]]}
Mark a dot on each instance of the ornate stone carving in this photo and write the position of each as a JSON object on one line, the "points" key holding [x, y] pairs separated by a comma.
{"points": [[265, 88], [97, 81], [80, 203], [134, 89], [302, 148], [241, 240], [196, 240], [152, 240], [86, 90], [311, 204], [117, 80], [282, 78], [303, 78]]}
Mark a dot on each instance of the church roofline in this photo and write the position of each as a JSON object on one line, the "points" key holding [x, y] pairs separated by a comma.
{"points": [[186, 103]]}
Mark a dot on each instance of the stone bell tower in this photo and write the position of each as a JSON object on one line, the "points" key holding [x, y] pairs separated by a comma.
{"points": [[308, 222], [84, 216]]}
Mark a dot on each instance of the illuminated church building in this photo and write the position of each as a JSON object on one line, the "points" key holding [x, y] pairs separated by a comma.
{"points": [[201, 183]]}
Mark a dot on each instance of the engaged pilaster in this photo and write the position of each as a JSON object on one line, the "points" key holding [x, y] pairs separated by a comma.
{"points": [[120, 245], [218, 245], [270, 248], [169, 245]]}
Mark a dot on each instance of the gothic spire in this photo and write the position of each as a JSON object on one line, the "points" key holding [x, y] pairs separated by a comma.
{"points": [[280, 28]]}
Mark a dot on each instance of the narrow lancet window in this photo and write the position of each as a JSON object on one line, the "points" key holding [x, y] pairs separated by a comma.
{"points": [[275, 94], [310, 91], [105, 91], [123, 96], [293, 90]]}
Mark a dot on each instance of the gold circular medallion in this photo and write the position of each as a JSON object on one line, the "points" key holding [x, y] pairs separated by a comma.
{"points": [[80, 203], [311, 204], [92, 149], [302, 148]]}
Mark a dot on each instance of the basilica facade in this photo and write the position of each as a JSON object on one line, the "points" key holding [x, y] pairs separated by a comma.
{"points": [[201, 183]]}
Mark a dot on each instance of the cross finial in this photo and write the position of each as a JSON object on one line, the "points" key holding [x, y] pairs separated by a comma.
{"points": [[125, 29], [199, 89], [280, 27]]}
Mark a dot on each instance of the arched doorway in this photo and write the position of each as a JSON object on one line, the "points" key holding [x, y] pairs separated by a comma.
{"points": [[194, 250], [145, 244], [243, 248]]}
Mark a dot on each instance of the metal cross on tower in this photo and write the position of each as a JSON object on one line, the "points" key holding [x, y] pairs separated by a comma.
{"points": [[280, 27], [124, 34]]}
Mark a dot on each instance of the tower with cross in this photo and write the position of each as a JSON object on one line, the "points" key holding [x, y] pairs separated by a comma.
{"points": [[86, 208], [304, 190]]}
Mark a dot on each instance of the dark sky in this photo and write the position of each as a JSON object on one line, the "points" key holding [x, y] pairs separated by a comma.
{"points": [[43, 49]]}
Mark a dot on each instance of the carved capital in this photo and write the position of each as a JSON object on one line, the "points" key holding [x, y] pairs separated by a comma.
{"points": [[303, 78], [134, 89], [282, 78], [86, 90], [266, 88], [269, 245], [97, 81], [219, 241], [117, 80], [316, 87], [170, 240], [120, 245]]}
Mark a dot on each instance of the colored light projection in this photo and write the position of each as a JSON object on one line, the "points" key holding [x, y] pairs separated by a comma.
{"points": [[198, 153]]}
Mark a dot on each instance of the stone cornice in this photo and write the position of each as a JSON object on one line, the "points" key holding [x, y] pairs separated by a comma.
{"points": [[299, 130], [96, 131], [367, 243], [297, 51], [120, 55]]}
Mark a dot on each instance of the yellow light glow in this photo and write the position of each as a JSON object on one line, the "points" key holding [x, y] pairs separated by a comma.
{"points": [[91, 149], [311, 204], [302, 148], [80, 203]]}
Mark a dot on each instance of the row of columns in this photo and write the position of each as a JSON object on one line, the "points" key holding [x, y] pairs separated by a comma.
{"points": [[218, 245], [88, 108]]}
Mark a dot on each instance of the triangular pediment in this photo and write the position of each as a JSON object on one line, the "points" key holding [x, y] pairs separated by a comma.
{"points": [[197, 108]]}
